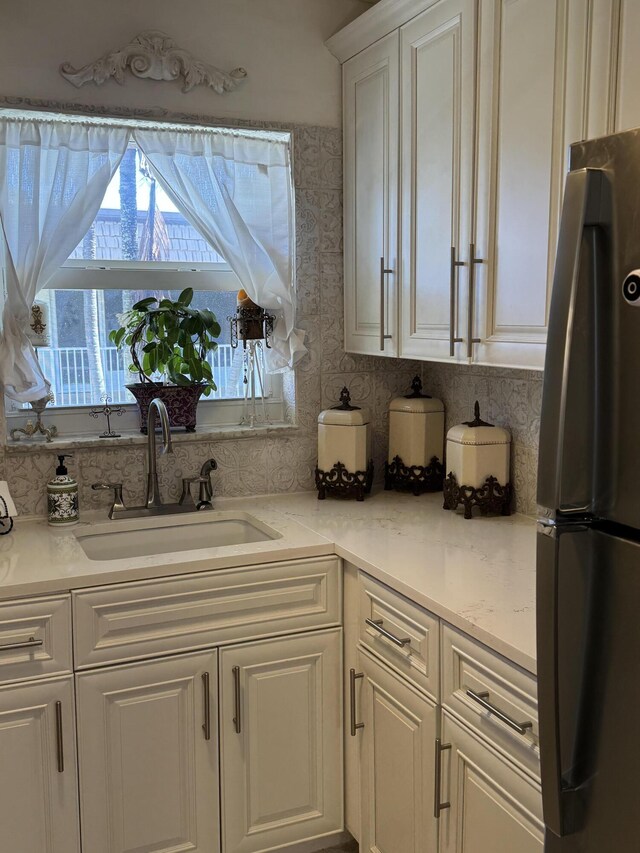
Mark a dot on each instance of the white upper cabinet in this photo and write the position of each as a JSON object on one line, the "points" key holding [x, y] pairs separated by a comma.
{"points": [[492, 93], [371, 92], [626, 14], [438, 92], [530, 108], [614, 82]]}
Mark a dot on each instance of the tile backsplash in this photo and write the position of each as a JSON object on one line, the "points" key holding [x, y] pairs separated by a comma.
{"points": [[285, 463]]}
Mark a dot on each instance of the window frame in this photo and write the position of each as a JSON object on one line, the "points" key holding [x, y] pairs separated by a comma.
{"points": [[74, 421]]}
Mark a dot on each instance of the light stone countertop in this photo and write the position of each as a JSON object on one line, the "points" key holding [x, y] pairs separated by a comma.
{"points": [[479, 574], [37, 559]]}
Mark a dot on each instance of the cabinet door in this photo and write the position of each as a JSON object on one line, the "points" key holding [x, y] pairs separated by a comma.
{"points": [[397, 767], [613, 93], [531, 94], [38, 780], [371, 94], [438, 51], [149, 775], [281, 746], [493, 805]]}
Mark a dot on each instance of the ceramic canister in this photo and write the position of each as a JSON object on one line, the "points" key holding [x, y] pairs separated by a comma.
{"points": [[477, 450], [416, 427], [344, 436]]}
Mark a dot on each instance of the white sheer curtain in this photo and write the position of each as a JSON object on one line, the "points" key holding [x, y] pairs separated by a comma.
{"points": [[236, 189], [53, 176]]}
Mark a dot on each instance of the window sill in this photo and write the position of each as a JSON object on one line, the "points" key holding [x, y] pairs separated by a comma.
{"points": [[129, 438]]}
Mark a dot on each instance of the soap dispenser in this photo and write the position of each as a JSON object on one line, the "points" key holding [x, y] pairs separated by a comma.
{"points": [[62, 497]]}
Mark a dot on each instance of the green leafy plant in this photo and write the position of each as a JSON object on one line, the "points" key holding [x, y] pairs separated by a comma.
{"points": [[169, 338]]}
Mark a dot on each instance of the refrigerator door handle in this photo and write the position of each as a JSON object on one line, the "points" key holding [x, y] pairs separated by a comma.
{"points": [[560, 727], [581, 209]]}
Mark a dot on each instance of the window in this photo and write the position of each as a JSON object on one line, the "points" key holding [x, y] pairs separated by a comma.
{"points": [[138, 245]]}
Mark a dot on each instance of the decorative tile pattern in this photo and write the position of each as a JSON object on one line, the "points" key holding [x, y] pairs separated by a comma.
{"points": [[265, 464]]}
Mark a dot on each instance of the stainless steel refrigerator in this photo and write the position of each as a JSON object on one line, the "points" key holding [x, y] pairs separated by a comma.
{"points": [[588, 544]]}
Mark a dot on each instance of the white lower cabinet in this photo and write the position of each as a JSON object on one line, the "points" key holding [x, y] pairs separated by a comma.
{"points": [[494, 807], [39, 793], [436, 771], [281, 741], [148, 755], [397, 765]]}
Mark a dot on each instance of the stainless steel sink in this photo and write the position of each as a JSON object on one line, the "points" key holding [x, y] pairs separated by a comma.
{"points": [[167, 535]]}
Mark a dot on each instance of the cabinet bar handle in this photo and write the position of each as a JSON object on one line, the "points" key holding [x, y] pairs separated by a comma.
{"points": [[31, 643], [483, 700], [377, 625], [452, 302], [237, 720], [206, 726], [353, 675], [383, 271], [472, 295], [59, 740], [437, 805]]}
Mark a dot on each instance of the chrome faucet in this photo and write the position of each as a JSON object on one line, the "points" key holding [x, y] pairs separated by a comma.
{"points": [[157, 409]]}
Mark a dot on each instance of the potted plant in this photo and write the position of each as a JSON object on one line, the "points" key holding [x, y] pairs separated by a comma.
{"points": [[172, 340]]}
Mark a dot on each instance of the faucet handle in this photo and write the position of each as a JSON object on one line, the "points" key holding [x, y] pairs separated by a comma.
{"points": [[186, 496], [118, 502]]}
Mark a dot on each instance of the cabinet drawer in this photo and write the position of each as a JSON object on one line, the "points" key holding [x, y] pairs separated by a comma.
{"points": [[470, 666], [405, 635], [35, 638], [150, 618]]}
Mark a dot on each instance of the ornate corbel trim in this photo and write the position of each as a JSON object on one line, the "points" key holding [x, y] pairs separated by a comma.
{"points": [[154, 55]]}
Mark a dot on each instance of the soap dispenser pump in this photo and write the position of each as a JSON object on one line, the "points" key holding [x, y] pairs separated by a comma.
{"points": [[62, 497]]}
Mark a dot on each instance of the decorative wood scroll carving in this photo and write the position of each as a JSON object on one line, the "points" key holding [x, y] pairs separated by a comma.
{"points": [[153, 54]]}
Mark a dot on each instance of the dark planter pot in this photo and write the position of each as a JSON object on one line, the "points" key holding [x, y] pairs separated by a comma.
{"points": [[181, 403]]}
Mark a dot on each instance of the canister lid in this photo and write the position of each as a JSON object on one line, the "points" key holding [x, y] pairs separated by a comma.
{"points": [[416, 402], [345, 414], [478, 432]]}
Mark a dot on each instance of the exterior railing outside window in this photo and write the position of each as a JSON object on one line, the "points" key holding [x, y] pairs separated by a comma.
{"points": [[67, 368]]}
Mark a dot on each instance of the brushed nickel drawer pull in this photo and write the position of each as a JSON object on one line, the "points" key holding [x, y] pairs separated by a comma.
{"points": [[483, 700], [206, 726], [383, 272], [377, 625], [59, 740], [453, 340], [237, 720], [353, 675], [472, 296], [31, 643], [437, 805]]}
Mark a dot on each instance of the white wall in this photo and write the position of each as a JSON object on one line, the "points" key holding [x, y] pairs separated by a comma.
{"points": [[292, 76]]}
